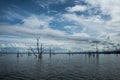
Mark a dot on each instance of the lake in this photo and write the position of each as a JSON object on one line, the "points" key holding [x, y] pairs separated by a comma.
{"points": [[60, 67]]}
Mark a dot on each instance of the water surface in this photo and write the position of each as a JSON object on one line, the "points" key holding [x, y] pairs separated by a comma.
{"points": [[60, 67]]}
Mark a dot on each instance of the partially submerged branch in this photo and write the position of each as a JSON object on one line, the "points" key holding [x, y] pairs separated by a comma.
{"points": [[33, 52]]}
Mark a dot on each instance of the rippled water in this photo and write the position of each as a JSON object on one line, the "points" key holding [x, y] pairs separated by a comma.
{"points": [[60, 67]]}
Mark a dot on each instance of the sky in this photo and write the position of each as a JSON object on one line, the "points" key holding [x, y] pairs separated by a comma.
{"points": [[63, 25]]}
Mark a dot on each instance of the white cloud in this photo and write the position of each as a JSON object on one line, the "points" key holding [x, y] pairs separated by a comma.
{"points": [[94, 26], [37, 21], [111, 7], [76, 8], [82, 35], [11, 17], [91, 23], [22, 30], [13, 44]]}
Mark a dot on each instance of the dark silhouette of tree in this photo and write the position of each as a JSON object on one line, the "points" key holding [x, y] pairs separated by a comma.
{"points": [[18, 54], [38, 49], [33, 51]]}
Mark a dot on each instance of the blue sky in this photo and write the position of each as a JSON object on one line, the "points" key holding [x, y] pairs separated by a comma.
{"points": [[62, 24]]}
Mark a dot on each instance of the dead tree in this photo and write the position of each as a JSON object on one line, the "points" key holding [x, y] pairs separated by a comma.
{"points": [[41, 51], [18, 53], [38, 49], [92, 47], [118, 45], [97, 48], [33, 52], [50, 51], [29, 52]]}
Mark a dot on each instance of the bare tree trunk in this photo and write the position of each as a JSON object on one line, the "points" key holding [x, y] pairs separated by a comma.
{"points": [[41, 49], [96, 48], [50, 50], [33, 52], [38, 49]]}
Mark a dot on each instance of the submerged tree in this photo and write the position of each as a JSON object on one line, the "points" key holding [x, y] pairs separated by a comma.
{"points": [[18, 54], [38, 48], [41, 51], [50, 52], [92, 47], [33, 51], [118, 45]]}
